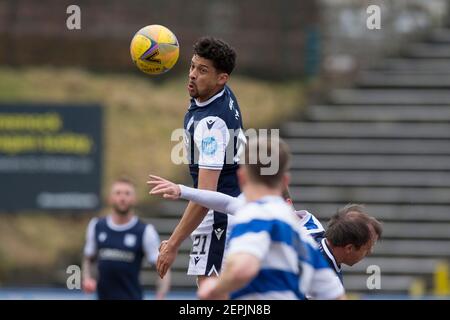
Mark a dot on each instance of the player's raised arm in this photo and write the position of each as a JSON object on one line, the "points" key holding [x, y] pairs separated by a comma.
{"points": [[191, 219], [214, 200], [90, 251]]}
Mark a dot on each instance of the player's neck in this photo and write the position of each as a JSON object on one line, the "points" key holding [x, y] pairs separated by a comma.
{"points": [[209, 96], [119, 219], [255, 192]]}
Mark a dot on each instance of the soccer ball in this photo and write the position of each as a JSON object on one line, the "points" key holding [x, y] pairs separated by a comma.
{"points": [[154, 49]]}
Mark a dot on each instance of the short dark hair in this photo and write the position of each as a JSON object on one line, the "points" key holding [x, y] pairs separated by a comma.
{"points": [[353, 208], [255, 164], [218, 51], [125, 180], [350, 225]]}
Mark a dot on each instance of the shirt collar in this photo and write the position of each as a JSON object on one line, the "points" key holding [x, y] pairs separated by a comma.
{"points": [[330, 256], [121, 227], [205, 103]]}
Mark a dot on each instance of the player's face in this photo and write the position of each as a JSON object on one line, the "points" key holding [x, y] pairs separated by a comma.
{"points": [[355, 255], [204, 79], [122, 197]]}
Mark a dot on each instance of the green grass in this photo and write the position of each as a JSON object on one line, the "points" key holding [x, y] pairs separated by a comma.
{"points": [[140, 115]]}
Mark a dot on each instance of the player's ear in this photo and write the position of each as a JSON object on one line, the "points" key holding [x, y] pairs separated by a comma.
{"points": [[223, 78]]}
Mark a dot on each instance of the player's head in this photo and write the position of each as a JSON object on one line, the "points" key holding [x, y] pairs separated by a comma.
{"points": [[211, 66], [353, 233], [123, 196], [266, 163]]}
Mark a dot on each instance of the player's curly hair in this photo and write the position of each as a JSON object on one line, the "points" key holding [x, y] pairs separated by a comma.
{"points": [[218, 51]]}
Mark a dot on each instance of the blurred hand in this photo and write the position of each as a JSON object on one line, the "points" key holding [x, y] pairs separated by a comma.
{"points": [[160, 296], [166, 188], [163, 243], [167, 255], [89, 285], [207, 288]]}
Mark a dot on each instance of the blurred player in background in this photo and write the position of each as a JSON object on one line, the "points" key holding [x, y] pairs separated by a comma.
{"points": [[213, 157], [118, 243], [270, 256]]}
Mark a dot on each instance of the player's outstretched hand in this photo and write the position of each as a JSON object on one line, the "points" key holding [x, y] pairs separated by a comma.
{"points": [[166, 188]]}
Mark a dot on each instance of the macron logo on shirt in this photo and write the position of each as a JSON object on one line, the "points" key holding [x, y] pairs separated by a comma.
{"points": [[218, 233], [210, 123]]}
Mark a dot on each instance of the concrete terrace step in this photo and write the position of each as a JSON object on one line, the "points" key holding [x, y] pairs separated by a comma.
{"points": [[366, 130], [371, 162], [428, 50], [370, 178], [379, 113], [390, 96], [393, 195], [378, 79], [413, 248], [414, 66], [393, 284], [400, 266], [440, 35], [368, 146], [422, 230]]}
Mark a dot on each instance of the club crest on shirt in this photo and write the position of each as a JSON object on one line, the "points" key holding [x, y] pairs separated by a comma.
{"points": [[209, 146], [102, 236], [129, 240]]}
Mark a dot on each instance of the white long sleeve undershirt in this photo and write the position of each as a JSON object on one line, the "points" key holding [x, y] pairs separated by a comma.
{"points": [[212, 199]]}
